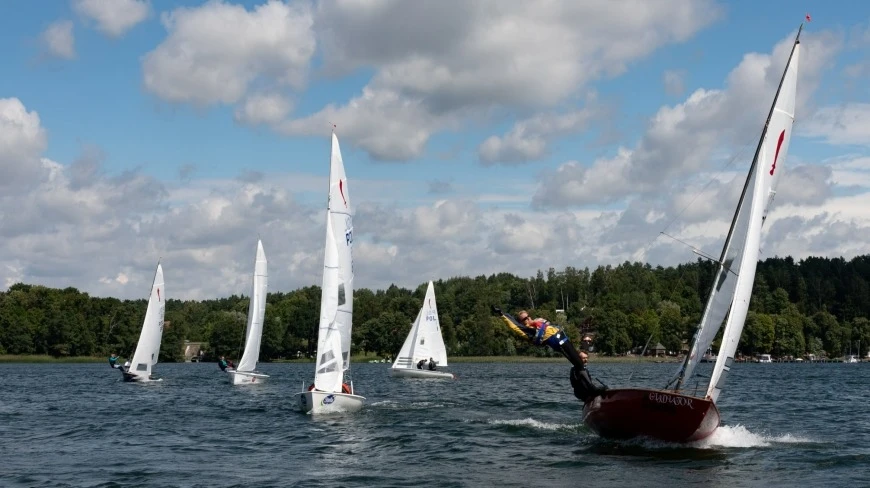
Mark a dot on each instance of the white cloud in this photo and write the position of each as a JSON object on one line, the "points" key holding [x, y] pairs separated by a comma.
{"points": [[387, 125], [215, 52], [682, 140], [439, 63], [529, 139], [22, 142], [113, 17], [263, 108], [59, 40], [848, 123]]}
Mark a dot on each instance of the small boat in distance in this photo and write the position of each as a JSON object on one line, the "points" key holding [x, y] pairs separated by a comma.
{"points": [[330, 393], [244, 373], [424, 342], [148, 347], [678, 414]]}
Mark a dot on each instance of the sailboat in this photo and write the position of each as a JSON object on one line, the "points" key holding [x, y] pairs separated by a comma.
{"points": [[329, 393], [676, 414], [148, 348], [245, 372], [424, 342]]}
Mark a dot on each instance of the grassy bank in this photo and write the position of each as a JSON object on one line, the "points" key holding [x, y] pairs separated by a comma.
{"points": [[40, 358]]}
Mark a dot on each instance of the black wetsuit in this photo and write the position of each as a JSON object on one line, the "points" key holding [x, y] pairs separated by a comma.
{"points": [[584, 389], [420, 363], [431, 365]]}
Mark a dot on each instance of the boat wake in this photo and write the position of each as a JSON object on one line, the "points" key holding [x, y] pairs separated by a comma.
{"points": [[534, 424], [409, 406], [740, 436]]}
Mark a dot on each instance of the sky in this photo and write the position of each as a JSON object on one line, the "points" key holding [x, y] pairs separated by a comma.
{"points": [[478, 137]]}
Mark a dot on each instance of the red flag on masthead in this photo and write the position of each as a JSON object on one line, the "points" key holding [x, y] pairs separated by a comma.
{"points": [[808, 18]]}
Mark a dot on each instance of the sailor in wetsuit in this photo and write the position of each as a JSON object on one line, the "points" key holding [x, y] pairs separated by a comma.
{"points": [[584, 389]]}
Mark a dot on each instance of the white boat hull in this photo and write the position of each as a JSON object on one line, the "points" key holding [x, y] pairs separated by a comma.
{"points": [[246, 377], [133, 378], [421, 373], [321, 402]]}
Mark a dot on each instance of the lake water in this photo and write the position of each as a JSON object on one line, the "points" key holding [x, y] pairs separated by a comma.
{"points": [[498, 424]]}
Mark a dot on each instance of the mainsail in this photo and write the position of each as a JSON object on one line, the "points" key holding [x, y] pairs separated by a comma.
{"points": [[256, 312], [336, 301], [732, 286], [424, 340], [148, 347]]}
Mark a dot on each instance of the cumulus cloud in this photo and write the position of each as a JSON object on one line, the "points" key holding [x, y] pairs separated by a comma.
{"points": [[215, 52], [58, 39], [682, 140], [529, 139], [263, 108], [113, 17], [439, 63], [22, 142], [848, 123]]}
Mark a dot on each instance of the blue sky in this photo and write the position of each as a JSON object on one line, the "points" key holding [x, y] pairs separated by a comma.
{"points": [[454, 81]]}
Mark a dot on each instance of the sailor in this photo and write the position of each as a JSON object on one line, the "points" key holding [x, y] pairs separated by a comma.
{"points": [[431, 364], [540, 331], [113, 359], [222, 363], [584, 389], [420, 363]]}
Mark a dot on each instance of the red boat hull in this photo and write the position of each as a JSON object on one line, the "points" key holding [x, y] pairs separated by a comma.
{"points": [[664, 415]]}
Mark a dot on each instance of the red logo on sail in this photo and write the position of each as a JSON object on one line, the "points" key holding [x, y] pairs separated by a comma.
{"points": [[776, 156], [341, 190]]}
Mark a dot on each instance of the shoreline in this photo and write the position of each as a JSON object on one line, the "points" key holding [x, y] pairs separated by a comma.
{"points": [[593, 358]]}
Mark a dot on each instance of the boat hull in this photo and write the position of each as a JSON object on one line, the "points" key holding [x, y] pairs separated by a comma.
{"points": [[323, 402], [421, 373], [246, 377], [133, 378], [658, 414]]}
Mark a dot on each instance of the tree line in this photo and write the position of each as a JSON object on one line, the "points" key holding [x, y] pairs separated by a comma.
{"points": [[815, 306]]}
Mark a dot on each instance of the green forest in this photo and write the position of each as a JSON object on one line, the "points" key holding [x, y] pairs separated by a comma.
{"points": [[815, 306]]}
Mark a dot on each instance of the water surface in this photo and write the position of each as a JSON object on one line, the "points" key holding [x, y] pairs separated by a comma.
{"points": [[498, 424]]}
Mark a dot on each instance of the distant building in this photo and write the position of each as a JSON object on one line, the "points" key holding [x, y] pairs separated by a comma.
{"points": [[194, 351]]}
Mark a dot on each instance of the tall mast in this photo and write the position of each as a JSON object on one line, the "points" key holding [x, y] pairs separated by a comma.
{"points": [[721, 262]]}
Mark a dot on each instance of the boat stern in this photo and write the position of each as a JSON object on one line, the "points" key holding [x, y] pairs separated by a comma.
{"points": [[246, 377], [324, 402]]}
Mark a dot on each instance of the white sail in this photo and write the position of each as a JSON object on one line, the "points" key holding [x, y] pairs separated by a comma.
{"points": [[256, 312], [330, 369], [148, 348], [424, 340], [336, 302], [771, 156]]}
